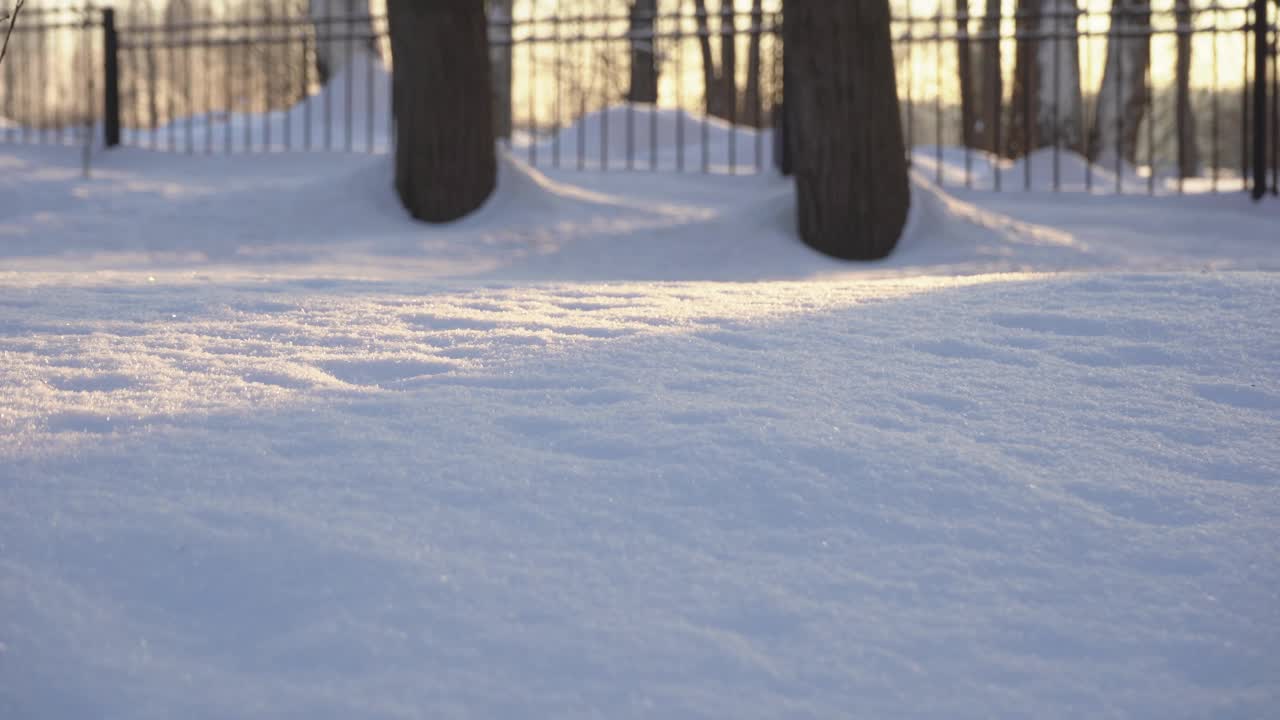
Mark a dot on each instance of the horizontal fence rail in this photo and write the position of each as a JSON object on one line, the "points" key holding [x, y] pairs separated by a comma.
{"points": [[1097, 96]]}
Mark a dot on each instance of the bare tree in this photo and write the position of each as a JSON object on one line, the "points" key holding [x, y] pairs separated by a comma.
{"points": [[1188, 150], [446, 162], [720, 82], [1047, 100], [1122, 99], [850, 164], [502, 56], [12, 19], [964, 67], [990, 80], [751, 111], [644, 58], [981, 87]]}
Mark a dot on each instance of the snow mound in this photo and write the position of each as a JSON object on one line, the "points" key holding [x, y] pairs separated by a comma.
{"points": [[942, 226], [641, 136], [1043, 170], [352, 111]]}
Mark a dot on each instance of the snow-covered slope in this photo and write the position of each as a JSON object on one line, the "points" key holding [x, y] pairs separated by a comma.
{"points": [[620, 446]]}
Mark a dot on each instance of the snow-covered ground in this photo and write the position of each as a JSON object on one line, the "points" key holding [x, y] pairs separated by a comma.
{"points": [[620, 446]]}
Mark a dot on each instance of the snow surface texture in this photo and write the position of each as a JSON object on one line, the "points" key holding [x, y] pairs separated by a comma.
{"points": [[620, 446]]}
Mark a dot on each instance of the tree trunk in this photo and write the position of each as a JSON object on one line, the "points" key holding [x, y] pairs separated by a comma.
{"points": [[1122, 99], [1046, 90], [850, 165], [981, 86], [964, 67], [751, 103], [644, 58], [728, 61], [720, 83], [989, 94], [446, 164], [1188, 150], [342, 28], [501, 53], [710, 78], [1022, 128]]}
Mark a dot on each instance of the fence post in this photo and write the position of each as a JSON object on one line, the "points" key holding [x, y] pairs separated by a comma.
{"points": [[111, 87], [782, 120], [1261, 43]]}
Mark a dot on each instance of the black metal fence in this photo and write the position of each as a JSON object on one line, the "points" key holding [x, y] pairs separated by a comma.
{"points": [[1061, 109], [50, 79], [199, 76]]}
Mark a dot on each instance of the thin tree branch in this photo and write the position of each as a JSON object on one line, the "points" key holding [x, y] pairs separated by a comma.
{"points": [[13, 20]]}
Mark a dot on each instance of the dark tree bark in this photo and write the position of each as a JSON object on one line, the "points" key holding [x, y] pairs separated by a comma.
{"points": [[990, 93], [728, 60], [850, 164], [1188, 149], [502, 55], [964, 67], [719, 83], [446, 164], [981, 87], [1026, 87], [751, 102], [644, 58]]}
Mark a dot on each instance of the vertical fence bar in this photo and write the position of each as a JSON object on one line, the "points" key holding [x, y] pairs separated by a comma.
{"points": [[679, 42], [370, 105], [10, 81], [307, 97], [1085, 128], [911, 110], [58, 120], [997, 179], [937, 94], [86, 66], [706, 102], [1028, 128], [530, 41], [1260, 42], [324, 45], [728, 34], [1058, 22], [266, 26], [559, 68], [188, 47], [170, 72], [348, 72], [1214, 102], [1182, 104], [246, 27], [27, 96], [1275, 109], [630, 109], [208, 46], [601, 61], [1244, 109], [1151, 136], [42, 81], [111, 73], [228, 88], [582, 54], [1118, 150], [757, 27]]}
